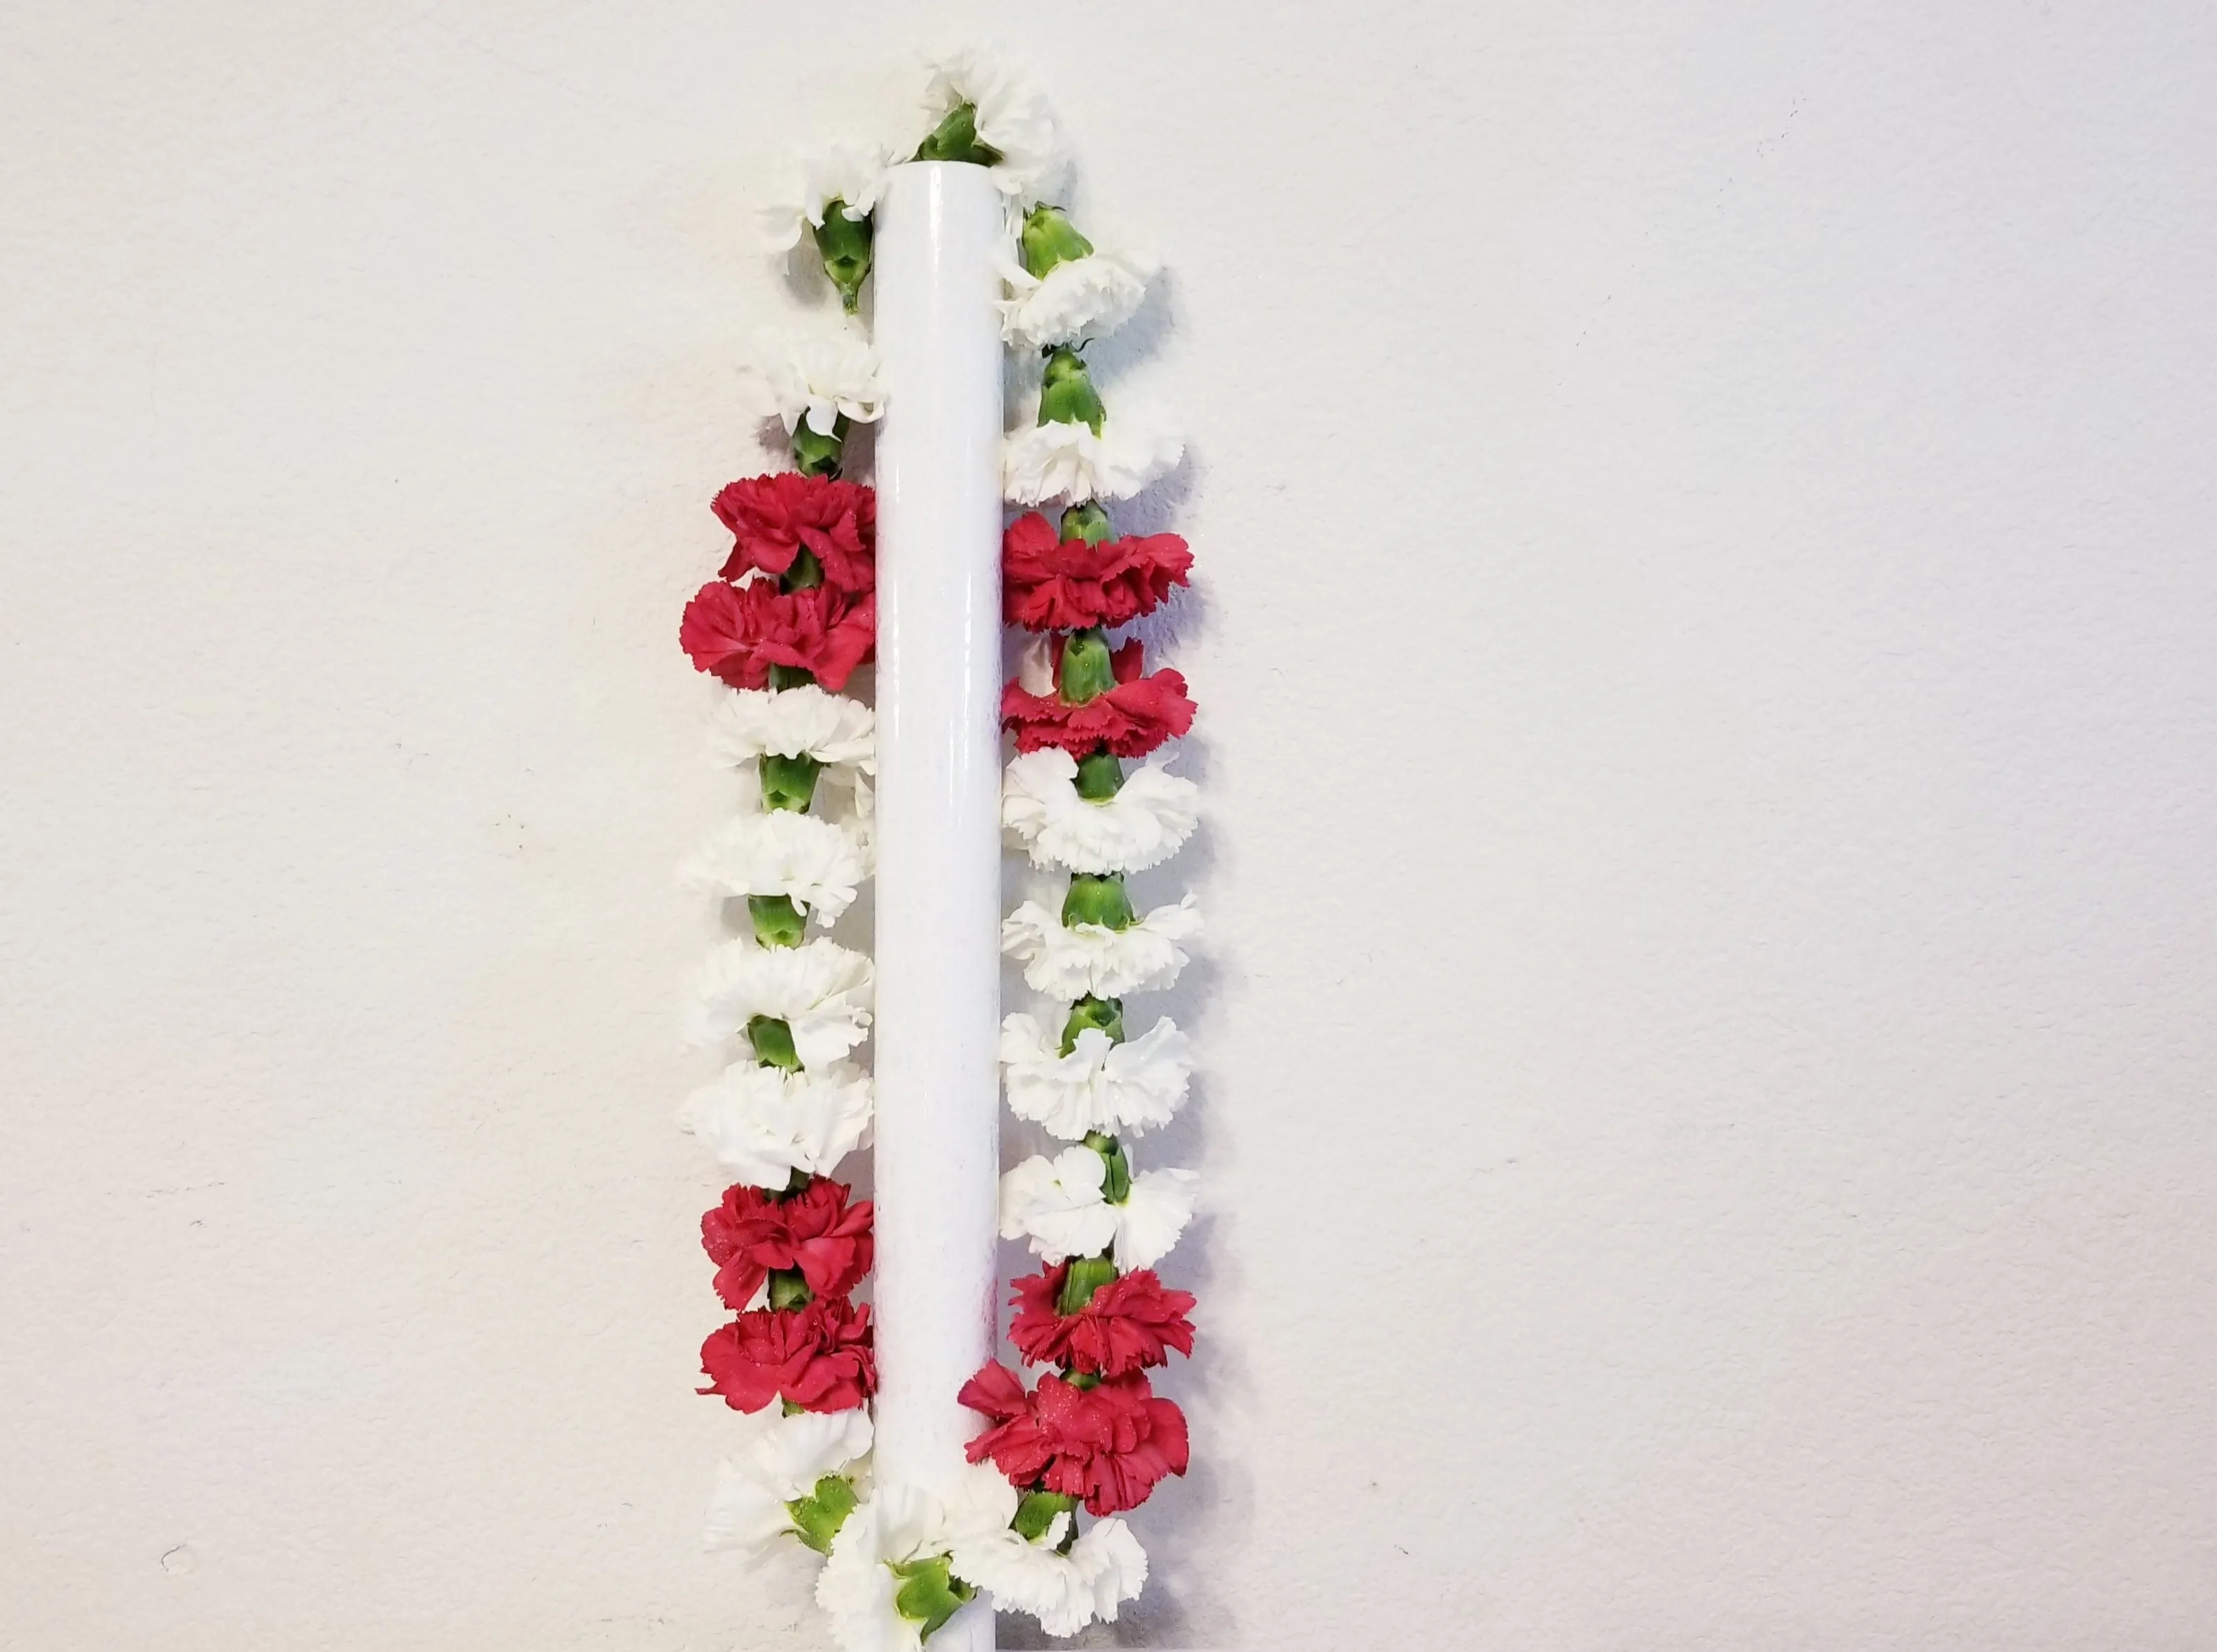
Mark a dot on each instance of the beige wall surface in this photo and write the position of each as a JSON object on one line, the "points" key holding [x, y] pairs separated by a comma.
{"points": [[1709, 574]]}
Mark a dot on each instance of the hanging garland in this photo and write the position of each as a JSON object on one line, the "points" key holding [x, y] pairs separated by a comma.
{"points": [[790, 618]]}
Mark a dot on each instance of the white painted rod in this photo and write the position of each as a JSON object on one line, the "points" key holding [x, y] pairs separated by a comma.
{"points": [[938, 820]]}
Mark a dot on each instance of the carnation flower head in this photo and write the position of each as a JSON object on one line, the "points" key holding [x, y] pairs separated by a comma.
{"points": [[1079, 299], [781, 1459], [806, 721], [1092, 960], [1108, 1445], [816, 863], [1051, 583], [1128, 1324], [1061, 1206], [818, 1358], [737, 632], [815, 1232], [1064, 1585], [1011, 118], [773, 517], [819, 376], [1131, 718], [1065, 460], [1102, 1085], [820, 989], [889, 1582], [805, 182], [1145, 822], [764, 1123]]}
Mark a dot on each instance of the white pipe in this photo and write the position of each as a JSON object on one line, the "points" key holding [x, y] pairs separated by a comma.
{"points": [[938, 821]]}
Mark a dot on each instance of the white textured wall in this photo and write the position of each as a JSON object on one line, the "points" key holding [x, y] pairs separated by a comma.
{"points": [[1708, 662]]}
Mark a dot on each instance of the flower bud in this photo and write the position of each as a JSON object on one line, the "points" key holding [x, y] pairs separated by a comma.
{"points": [[788, 783], [930, 1593], [773, 1042], [1103, 1015], [1100, 776], [844, 245], [1097, 900], [1050, 238], [1089, 522], [1037, 1510], [815, 453], [1088, 669], [1066, 392], [956, 138], [817, 1517], [777, 921], [1086, 1275], [788, 1289], [1117, 1185]]}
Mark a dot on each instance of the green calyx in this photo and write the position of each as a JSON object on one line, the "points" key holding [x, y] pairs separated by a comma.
{"points": [[805, 574], [1087, 1274], [930, 1593], [1066, 392], [783, 677], [788, 1289], [1102, 1014], [1116, 1185], [1100, 776], [788, 783], [1096, 900], [1037, 1511], [817, 1517], [778, 922], [1089, 522], [1083, 1379], [773, 1042], [1050, 238], [1088, 669], [844, 245], [815, 453], [956, 138]]}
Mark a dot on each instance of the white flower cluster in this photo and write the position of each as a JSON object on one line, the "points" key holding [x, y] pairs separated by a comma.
{"points": [[819, 374], [808, 183]]}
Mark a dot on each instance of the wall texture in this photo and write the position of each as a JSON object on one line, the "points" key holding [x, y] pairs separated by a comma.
{"points": [[1711, 738]]}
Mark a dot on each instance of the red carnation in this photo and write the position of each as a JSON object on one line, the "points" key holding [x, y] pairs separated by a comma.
{"points": [[739, 631], [818, 1358], [1128, 1324], [773, 517], [1108, 1445], [752, 1234], [1131, 719], [1051, 584]]}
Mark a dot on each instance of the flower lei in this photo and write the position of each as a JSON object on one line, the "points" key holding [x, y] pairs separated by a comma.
{"points": [[790, 618]]}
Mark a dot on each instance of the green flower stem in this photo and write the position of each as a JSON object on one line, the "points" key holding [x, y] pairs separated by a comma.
{"points": [[778, 921], [783, 677], [956, 138], [1117, 1185], [773, 1042], [817, 1517], [843, 243], [1100, 776], [1106, 1015], [1066, 392], [1096, 900], [930, 1593], [1088, 669], [816, 453], [1087, 1274], [1050, 238], [805, 574], [788, 1290], [788, 783], [1089, 522], [1037, 1510]]}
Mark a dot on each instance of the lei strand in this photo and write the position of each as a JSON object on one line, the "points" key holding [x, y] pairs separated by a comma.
{"points": [[788, 618]]}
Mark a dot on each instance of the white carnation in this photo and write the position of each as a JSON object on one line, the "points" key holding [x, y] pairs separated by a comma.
{"points": [[779, 1458], [817, 862], [1104, 1568], [1012, 117], [897, 1525], [1058, 1206], [834, 729], [819, 374], [1065, 460], [764, 1123], [1101, 1085], [1079, 299], [1145, 822], [819, 988], [806, 184], [1091, 958]]}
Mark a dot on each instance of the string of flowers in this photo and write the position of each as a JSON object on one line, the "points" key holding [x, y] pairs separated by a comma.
{"points": [[788, 619]]}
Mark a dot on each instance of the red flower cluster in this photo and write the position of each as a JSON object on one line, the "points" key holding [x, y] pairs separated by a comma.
{"points": [[1108, 1444], [1051, 584], [1129, 1324], [1131, 719], [773, 518], [738, 632], [751, 1235], [818, 1358]]}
